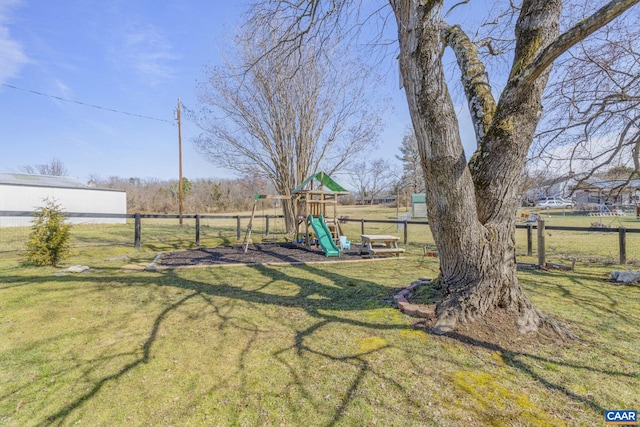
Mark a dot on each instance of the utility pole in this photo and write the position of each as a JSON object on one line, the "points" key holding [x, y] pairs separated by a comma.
{"points": [[180, 159]]}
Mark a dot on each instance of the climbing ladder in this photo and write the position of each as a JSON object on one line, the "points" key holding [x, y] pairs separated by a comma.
{"points": [[334, 228]]}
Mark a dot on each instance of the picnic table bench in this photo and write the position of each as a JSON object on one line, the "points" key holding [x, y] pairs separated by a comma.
{"points": [[373, 245]]}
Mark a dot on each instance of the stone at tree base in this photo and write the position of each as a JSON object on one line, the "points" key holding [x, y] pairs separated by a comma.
{"points": [[414, 285], [408, 308], [404, 292], [426, 312], [403, 304], [77, 269], [399, 298], [411, 309]]}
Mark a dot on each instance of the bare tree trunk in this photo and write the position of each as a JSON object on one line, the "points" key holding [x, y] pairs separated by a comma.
{"points": [[472, 214], [288, 210]]}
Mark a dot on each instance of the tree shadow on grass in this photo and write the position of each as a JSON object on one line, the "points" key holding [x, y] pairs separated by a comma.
{"points": [[358, 360], [344, 298], [605, 304], [597, 305], [529, 363], [64, 412], [339, 293], [589, 303]]}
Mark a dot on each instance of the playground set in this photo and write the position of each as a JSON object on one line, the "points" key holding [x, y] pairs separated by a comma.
{"points": [[317, 224]]}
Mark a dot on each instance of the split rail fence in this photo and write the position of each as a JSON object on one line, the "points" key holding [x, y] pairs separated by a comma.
{"points": [[161, 232]]}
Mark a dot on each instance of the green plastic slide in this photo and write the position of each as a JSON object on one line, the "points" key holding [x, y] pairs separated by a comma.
{"points": [[324, 236]]}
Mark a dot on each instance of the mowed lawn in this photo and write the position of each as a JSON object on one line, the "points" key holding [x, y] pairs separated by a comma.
{"points": [[305, 345]]}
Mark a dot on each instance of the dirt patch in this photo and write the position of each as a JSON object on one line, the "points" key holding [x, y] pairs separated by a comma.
{"points": [[496, 330], [263, 253]]}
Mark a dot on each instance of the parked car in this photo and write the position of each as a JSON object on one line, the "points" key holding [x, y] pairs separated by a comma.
{"points": [[554, 202]]}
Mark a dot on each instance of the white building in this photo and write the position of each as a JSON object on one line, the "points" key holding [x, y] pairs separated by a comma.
{"points": [[26, 193]]}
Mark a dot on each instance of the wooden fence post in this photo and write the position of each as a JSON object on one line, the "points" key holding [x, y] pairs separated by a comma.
{"points": [[622, 237], [362, 226], [266, 225], [197, 229], [405, 231], [238, 231], [541, 249], [530, 240], [137, 227]]}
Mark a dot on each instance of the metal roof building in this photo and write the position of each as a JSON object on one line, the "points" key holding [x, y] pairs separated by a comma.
{"points": [[21, 193]]}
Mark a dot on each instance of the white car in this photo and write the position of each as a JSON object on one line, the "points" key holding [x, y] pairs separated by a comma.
{"points": [[551, 203]]}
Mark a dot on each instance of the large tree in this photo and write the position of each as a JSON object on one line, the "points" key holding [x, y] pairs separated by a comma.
{"points": [[285, 116], [471, 204]]}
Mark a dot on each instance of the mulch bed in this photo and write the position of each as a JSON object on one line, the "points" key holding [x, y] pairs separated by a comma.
{"points": [[258, 253]]}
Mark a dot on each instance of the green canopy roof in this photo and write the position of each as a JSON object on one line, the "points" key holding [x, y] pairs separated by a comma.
{"points": [[325, 180]]}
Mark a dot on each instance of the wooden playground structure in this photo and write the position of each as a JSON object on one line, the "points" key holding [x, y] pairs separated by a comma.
{"points": [[317, 198], [315, 203]]}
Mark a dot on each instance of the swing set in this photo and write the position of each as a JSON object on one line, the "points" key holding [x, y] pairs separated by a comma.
{"points": [[247, 236]]}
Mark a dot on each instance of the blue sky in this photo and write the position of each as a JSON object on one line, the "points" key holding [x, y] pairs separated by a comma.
{"points": [[132, 56]]}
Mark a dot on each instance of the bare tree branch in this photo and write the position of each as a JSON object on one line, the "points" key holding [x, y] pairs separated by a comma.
{"points": [[475, 80], [569, 38], [55, 167], [591, 113], [451, 9]]}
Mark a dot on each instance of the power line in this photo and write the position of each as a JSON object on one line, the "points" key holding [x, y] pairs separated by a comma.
{"points": [[85, 104]]}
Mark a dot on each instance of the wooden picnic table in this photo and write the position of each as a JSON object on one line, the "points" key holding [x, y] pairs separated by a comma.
{"points": [[373, 244]]}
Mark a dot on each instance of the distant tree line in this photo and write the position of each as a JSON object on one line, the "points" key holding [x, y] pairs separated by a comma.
{"points": [[55, 167], [204, 196], [157, 196]]}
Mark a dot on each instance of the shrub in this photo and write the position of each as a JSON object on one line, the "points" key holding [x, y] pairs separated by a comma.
{"points": [[49, 238]]}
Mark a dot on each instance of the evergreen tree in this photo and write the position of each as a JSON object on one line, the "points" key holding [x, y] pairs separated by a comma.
{"points": [[49, 238]]}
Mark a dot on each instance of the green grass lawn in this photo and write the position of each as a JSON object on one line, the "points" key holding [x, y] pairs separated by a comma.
{"points": [[166, 234], [312, 345]]}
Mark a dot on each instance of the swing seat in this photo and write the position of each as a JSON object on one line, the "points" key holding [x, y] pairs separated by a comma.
{"points": [[344, 243]]}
